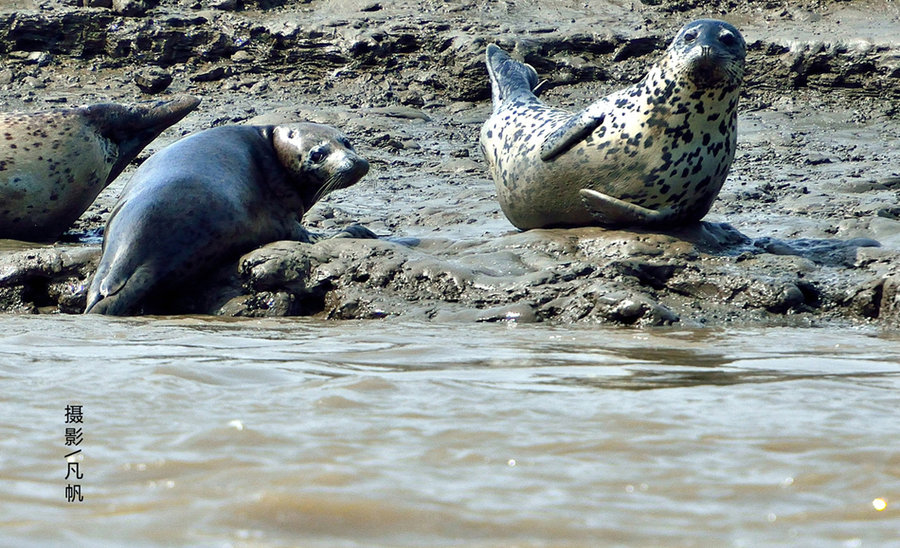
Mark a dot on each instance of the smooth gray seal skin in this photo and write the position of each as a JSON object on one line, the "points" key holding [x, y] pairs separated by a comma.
{"points": [[211, 197], [54, 164], [653, 154]]}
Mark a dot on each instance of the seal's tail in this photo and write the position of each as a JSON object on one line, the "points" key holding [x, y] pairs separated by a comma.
{"points": [[509, 78]]}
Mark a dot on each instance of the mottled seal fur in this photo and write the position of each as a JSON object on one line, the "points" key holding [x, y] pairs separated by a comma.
{"points": [[211, 197], [54, 164], [656, 153]]}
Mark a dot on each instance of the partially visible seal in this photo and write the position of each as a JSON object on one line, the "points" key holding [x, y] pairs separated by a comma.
{"points": [[211, 197], [656, 153], [54, 164]]}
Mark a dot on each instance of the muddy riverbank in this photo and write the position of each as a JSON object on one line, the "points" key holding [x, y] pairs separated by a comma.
{"points": [[805, 232]]}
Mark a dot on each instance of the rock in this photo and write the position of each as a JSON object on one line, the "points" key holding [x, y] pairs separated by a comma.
{"points": [[152, 80], [211, 75], [47, 278], [889, 305], [39, 58], [639, 46], [132, 8], [634, 309], [260, 305], [224, 5], [259, 87], [279, 265], [865, 300], [243, 56]]}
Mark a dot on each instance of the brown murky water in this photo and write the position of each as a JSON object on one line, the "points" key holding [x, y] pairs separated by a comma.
{"points": [[202, 432]]}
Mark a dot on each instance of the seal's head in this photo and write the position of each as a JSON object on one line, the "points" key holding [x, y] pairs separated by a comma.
{"points": [[708, 53], [319, 158]]}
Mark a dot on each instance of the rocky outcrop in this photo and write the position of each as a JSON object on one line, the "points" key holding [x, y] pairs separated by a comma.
{"points": [[707, 275], [152, 33], [47, 279]]}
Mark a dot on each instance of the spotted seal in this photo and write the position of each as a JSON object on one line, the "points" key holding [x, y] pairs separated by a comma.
{"points": [[656, 153], [54, 164], [211, 197]]}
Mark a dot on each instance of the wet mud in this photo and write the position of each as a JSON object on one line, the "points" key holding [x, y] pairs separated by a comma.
{"points": [[806, 230]]}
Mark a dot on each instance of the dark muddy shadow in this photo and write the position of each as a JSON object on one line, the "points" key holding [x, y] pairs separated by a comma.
{"points": [[657, 379], [725, 240]]}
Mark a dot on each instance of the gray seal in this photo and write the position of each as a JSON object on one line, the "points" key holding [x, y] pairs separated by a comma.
{"points": [[210, 198], [54, 164], [653, 154]]}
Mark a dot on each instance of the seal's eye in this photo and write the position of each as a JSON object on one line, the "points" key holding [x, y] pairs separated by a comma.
{"points": [[317, 155], [346, 143], [690, 36], [728, 38]]}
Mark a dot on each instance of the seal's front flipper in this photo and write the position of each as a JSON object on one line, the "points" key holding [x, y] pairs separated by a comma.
{"points": [[573, 132], [358, 232], [508, 76], [610, 211]]}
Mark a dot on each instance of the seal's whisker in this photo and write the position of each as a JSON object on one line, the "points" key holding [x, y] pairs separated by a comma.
{"points": [[330, 184]]}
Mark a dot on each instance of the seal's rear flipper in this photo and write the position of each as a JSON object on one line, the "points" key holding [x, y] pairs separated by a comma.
{"points": [[116, 292], [573, 132], [132, 127], [508, 76], [609, 211]]}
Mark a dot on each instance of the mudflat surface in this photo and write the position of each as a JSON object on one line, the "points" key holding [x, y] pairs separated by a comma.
{"points": [[805, 231]]}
